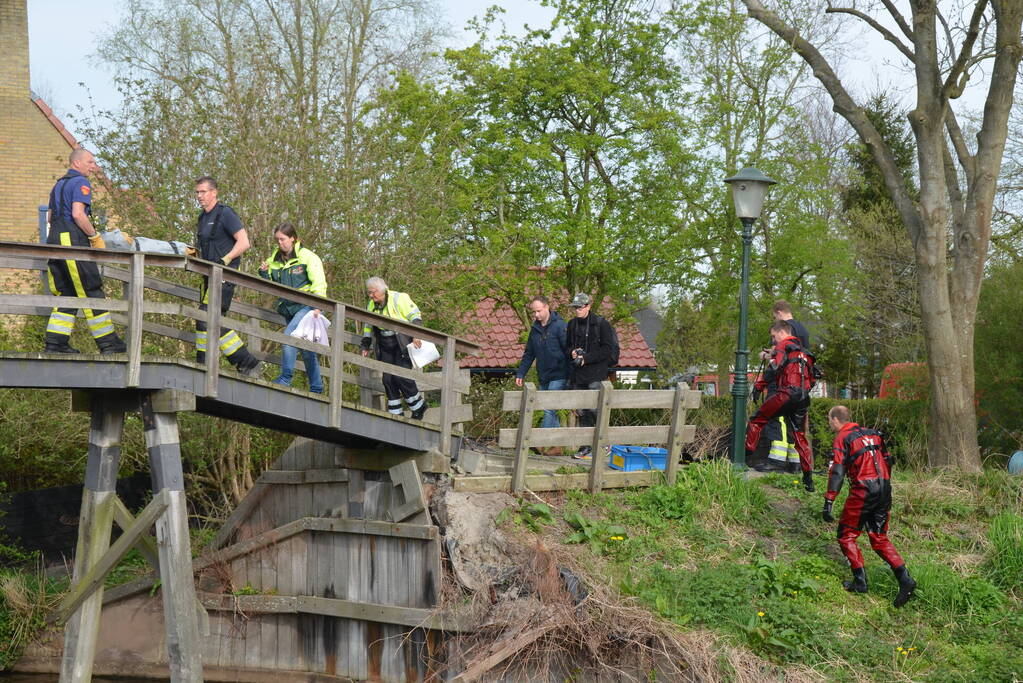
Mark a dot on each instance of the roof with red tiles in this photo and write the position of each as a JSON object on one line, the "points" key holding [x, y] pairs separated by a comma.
{"points": [[502, 337], [55, 122]]}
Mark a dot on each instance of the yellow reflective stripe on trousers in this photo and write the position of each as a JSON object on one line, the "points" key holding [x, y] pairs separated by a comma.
{"points": [[200, 341], [100, 325], [230, 342], [72, 268], [61, 323], [780, 449]]}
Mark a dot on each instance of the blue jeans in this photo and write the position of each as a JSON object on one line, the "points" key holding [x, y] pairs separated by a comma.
{"points": [[550, 417], [289, 354]]}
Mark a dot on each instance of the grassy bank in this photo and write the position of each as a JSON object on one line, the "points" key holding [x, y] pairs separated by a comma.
{"points": [[751, 561]]}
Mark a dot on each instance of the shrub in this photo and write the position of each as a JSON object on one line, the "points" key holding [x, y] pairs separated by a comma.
{"points": [[904, 422]]}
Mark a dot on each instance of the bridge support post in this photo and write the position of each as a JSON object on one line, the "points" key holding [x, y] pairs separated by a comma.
{"points": [[95, 521], [178, 590]]}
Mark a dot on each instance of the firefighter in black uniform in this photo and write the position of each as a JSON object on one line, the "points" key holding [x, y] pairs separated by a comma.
{"points": [[860, 453], [220, 237], [71, 225]]}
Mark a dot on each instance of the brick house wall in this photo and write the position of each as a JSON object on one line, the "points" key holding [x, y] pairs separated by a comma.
{"points": [[34, 145]]}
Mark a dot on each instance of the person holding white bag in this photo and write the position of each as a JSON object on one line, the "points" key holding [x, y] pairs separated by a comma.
{"points": [[293, 265]]}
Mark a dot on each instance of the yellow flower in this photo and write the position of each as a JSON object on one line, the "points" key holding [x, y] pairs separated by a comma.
{"points": [[795, 481], [760, 614], [912, 648], [898, 649], [617, 538], [905, 652]]}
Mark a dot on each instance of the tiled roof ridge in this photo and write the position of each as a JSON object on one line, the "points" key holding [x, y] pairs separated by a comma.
{"points": [[55, 121]]}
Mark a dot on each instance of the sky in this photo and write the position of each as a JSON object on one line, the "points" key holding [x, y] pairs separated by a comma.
{"points": [[66, 74]]}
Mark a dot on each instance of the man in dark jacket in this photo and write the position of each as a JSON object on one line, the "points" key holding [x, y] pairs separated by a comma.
{"points": [[590, 343], [548, 345]]}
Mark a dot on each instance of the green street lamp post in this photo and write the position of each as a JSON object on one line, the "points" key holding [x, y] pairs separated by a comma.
{"points": [[749, 188]]}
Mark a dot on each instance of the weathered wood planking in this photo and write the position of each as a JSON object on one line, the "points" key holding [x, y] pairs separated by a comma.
{"points": [[342, 590]]}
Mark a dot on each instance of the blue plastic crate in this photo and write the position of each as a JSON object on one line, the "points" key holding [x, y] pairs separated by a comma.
{"points": [[632, 458]]}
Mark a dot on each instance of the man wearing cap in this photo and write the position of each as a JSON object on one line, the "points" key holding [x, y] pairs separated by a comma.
{"points": [[590, 344]]}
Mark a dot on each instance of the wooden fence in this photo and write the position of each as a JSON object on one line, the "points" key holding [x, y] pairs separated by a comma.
{"points": [[679, 401], [176, 307]]}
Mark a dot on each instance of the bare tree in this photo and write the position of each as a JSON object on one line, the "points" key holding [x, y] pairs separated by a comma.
{"points": [[949, 224]]}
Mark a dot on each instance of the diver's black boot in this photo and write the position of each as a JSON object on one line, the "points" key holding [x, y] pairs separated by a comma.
{"points": [[906, 586], [859, 582], [808, 482]]}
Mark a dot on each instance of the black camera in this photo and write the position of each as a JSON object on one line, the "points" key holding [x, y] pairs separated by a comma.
{"points": [[577, 357]]}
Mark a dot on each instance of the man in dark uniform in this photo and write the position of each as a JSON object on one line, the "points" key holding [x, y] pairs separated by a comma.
{"points": [[71, 225], [219, 236], [861, 454], [782, 310]]}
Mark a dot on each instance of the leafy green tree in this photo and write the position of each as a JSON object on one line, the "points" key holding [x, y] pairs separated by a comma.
{"points": [[751, 107], [572, 151], [272, 100]]}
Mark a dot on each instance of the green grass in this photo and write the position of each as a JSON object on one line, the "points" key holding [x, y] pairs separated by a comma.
{"points": [[1005, 562], [752, 561], [25, 599]]}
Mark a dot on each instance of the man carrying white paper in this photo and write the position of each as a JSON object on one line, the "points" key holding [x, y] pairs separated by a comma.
{"points": [[391, 345]]}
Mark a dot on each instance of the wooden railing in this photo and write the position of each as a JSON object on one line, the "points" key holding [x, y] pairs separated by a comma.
{"points": [[679, 401], [179, 303]]}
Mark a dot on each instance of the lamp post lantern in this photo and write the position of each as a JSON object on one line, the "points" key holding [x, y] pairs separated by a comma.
{"points": [[749, 188]]}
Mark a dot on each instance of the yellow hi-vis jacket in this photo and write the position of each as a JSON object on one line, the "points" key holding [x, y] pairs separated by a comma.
{"points": [[397, 305]]}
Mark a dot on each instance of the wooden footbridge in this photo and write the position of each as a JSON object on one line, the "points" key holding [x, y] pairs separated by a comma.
{"points": [[330, 569]]}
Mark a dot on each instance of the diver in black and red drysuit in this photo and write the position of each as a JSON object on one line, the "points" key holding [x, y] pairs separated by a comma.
{"points": [[788, 381], [860, 453]]}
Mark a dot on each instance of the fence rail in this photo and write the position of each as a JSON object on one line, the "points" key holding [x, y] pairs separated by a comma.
{"points": [[177, 304], [679, 401]]}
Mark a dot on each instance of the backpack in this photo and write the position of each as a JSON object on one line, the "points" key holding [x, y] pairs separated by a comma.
{"points": [[807, 374], [616, 350]]}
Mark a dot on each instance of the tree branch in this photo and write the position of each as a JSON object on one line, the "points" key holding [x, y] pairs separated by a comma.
{"points": [[874, 24], [899, 19], [955, 134], [847, 109], [954, 85], [955, 194]]}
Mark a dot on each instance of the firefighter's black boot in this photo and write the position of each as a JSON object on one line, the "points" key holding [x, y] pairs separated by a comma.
{"points": [[808, 481], [859, 582], [200, 357], [906, 586], [111, 343], [55, 344]]}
